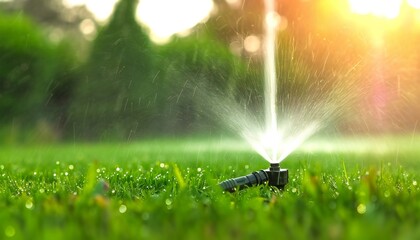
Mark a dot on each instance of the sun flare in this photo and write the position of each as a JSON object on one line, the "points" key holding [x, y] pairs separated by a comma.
{"points": [[381, 8], [164, 18], [389, 9]]}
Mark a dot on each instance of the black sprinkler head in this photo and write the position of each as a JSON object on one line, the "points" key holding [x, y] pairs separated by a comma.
{"points": [[275, 177]]}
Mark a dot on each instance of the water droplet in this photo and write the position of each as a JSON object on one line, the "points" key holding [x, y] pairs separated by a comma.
{"points": [[58, 162], [162, 165], [1, 167], [113, 191], [294, 190], [361, 208], [246, 166], [414, 183], [66, 173], [10, 231], [41, 190], [34, 173], [118, 169], [29, 204], [122, 208], [389, 164], [71, 167], [198, 169], [168, 202], [54, 175], [387, 193], [98, 170]]}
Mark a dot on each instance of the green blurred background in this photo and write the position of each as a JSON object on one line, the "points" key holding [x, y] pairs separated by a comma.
{"points": [[59, 83]]}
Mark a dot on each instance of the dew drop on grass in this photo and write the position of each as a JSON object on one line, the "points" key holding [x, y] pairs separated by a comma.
{"points": [[387, 193], [9, 231], [246, 166], [1, 167], [361, 208], [198, 169], [122, 208], [118, 169], [168, 201], [58, 162], [29, 204], [71, 167], [162, 165], [414, 183], [98, 170], [41, 190], [34, 173], [294, 190]]}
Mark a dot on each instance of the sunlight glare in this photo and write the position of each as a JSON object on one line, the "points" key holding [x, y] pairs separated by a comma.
{"points": [[381, 8], [100, 9], [167, 17], [164, 17], [414, 3]]}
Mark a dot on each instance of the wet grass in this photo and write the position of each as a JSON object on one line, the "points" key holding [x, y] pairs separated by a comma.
{"points": [[167, 189]]}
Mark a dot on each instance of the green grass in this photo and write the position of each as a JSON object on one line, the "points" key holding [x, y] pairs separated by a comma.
{"points": [[167, 189]]}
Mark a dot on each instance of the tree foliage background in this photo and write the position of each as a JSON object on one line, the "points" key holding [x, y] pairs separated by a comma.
{"points": [[55, 84]]}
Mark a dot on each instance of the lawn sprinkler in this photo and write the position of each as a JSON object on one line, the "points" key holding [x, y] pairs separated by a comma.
{"points": [[275, 177]]}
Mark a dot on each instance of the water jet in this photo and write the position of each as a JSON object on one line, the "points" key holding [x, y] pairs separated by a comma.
{"points": [[273, 176]]}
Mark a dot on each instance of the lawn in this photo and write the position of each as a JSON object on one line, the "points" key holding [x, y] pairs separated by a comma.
{"points": [[360, 188]]}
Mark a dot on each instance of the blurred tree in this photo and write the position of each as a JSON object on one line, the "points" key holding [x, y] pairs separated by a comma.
{"points": [[61, 88], [56, 20], [36, 80], [25, 69], [115, 99]]}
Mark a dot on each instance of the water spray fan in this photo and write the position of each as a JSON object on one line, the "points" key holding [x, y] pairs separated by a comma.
{"points": [[273, 176]]}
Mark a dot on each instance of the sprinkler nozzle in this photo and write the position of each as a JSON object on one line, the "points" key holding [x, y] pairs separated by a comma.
{"points": [[275, 176]]}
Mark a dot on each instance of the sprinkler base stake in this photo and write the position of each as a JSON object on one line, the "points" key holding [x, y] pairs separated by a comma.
{"points": [[275, 177]]}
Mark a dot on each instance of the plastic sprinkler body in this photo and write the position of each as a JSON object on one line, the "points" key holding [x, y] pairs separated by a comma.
{"points": [[275, 176]]}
